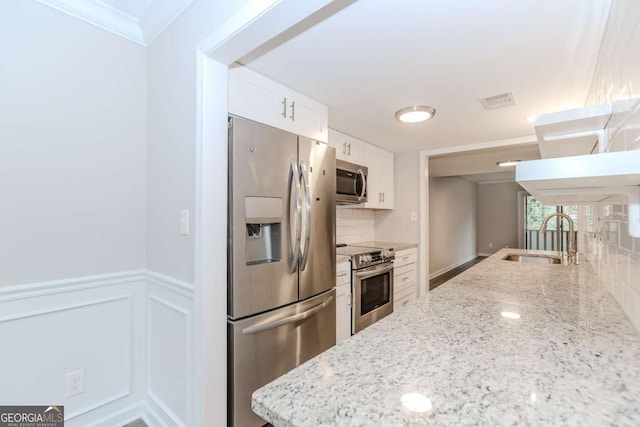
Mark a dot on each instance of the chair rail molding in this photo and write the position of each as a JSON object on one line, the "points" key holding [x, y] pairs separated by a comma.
{"points": [[141, 25]]}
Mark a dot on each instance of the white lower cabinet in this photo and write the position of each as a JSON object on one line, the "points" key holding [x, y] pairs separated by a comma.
{"points": [[405, 278], [343, 301]]}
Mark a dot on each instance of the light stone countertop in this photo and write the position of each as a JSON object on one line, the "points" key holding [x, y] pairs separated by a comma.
{"points": [[572, 358]]}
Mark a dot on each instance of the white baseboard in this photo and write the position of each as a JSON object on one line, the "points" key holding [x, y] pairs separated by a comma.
{"points": [[451, 267]]}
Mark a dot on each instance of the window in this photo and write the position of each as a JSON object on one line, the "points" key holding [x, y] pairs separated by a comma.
{"points": [[557, 236]]}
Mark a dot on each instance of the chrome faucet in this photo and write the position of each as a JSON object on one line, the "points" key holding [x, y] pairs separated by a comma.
{"points": [[572, 257]]}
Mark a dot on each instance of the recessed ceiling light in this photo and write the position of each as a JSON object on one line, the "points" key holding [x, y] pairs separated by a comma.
{"points": [[415, 113], [532, 118], [507, 163], [510, 315]]}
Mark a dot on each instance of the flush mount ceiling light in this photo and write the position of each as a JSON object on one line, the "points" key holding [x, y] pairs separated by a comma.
{"points": [[507, 163], [415, 113]]}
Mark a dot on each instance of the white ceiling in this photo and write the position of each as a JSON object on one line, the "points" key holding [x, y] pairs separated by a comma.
{"points": [[377, 56]]}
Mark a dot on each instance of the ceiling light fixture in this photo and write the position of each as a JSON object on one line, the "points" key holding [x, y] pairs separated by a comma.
{"points": [[415, 113], [507, 163]]}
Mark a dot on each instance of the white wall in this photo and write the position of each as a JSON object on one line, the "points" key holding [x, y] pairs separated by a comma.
{"points": [[72, 151], [452, 223], [396, 225], [172, 135], [497, 216], [72, 216], [175, 378]]}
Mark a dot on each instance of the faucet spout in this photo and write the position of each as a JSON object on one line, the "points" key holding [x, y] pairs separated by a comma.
{"points": [[571, 251]]}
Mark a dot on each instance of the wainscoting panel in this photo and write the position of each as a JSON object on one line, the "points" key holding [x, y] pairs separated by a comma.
{"points": [[51, 329], [131, 332], [169, 349]]}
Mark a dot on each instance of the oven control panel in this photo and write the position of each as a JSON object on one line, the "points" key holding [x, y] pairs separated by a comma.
{"points": [[373, 258]]}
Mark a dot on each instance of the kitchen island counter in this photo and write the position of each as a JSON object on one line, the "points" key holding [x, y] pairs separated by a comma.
{"points": [[451, 358]]}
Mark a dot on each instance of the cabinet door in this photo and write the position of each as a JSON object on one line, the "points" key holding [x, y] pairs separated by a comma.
{"points": [[308, 117], [385, 179], [343, 312], [255, 97], [380, 177], [355, 150], [372, 157], [338, 141]]}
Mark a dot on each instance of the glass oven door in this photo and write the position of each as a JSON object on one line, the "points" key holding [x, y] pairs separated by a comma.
{"points": [[373, 295]]}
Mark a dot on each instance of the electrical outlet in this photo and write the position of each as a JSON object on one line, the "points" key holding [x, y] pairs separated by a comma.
{"points": [[74, 383], [490, 245]]}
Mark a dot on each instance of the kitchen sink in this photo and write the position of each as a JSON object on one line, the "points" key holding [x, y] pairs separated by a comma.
{"points": [[536, 259]]}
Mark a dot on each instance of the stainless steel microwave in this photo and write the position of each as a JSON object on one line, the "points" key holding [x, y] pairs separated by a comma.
{"points": [[351, 183]]}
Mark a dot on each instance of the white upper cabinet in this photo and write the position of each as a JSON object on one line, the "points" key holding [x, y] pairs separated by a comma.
{"points": [[380, 177], [255, 97], [347, 147]]}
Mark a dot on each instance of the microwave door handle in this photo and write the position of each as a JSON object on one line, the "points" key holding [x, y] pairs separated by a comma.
{"points": [[375, 272], [364, 185], [307, 231], [287, 320], [293, 251]]}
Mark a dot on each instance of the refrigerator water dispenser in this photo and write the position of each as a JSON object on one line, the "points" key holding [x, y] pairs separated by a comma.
{"points": [[263, 217]]}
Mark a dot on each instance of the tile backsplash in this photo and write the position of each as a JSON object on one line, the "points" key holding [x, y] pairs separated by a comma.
{"points": [[354, 225], [614, 255]]}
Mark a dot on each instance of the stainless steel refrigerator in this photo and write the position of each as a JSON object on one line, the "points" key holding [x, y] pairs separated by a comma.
{"points": [[281, 252]]}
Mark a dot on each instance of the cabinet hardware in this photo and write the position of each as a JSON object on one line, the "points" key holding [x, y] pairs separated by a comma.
{"points": [[383, 196], [293, 110], [344, 148], [349, 153], [284, 108]]}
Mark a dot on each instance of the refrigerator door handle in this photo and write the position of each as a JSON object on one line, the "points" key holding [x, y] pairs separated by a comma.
{"points": [[293, 252], [287, 320], [307, 231]]}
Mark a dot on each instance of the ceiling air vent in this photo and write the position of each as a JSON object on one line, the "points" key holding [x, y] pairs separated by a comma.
{"points": [[498, 101]]}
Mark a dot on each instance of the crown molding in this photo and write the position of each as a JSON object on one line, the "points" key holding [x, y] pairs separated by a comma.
{"points": [[141, 30]]}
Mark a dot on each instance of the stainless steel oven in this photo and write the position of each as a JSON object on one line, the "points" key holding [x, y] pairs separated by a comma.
{"points": [[372, 295], [371, 284]]}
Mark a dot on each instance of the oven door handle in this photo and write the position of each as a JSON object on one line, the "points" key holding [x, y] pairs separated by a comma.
{"points": [[360, 275], [287, 320]]}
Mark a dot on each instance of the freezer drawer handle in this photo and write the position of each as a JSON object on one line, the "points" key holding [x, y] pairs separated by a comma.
{"points": [[287, 320]]}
